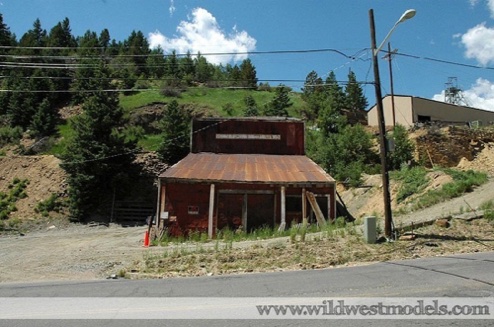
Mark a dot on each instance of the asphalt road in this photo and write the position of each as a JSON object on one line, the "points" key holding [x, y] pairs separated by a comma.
{"points": [[469, 275]]}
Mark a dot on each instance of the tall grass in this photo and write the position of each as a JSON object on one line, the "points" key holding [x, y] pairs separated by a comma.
{"points": [[65, 133], [295, 232], [463, 182], [216, 99], [413, 181]]}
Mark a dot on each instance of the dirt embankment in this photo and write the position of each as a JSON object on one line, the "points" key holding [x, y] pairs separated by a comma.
{"points": [[462, 148], [43, 174]]}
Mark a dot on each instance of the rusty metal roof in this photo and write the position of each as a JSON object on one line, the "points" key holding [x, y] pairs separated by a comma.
{"points": [[242, 168]]}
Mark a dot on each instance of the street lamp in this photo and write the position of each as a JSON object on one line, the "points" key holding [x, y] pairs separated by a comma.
{"points": [[388, 219]]}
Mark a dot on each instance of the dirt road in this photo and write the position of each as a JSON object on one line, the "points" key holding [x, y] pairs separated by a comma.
{"points": [[75, 253]]}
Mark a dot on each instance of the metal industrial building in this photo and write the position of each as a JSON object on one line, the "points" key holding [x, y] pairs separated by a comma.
{"points": [[244, 173], [409, 110]]}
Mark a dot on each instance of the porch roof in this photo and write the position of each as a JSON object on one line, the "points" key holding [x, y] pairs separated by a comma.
{"points": [[247, 168]]}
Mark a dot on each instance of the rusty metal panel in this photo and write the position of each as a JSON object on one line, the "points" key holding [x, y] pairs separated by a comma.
{"points": [[259, 168], [283, 136]]}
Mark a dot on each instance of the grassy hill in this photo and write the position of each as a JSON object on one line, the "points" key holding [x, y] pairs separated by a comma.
{"points": [[214, 99], [207, 101]]}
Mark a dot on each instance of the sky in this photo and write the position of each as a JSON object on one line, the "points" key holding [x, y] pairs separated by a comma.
{"points": [[447, 43]]}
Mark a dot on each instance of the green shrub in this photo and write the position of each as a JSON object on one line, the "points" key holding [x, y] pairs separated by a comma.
{"points": [[463, 182], [403, 148], [10, 135], [8, 200], [413, 180], [49, 205]]}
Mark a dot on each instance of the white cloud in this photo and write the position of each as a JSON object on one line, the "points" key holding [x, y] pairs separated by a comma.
{"points": [[480, 95], [202, 33], [171, 9], [490, 5], [479, 43], [473, 2]]}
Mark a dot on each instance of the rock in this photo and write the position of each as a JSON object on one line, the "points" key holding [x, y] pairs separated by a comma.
{"points": [[409, 237], [444, 223]]}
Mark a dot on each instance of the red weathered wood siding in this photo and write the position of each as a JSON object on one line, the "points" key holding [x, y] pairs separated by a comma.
{"points": [[240, 136], [263, 206]]}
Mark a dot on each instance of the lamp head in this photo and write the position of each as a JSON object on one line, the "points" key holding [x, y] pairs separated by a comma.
{"points": [[407, 15]]}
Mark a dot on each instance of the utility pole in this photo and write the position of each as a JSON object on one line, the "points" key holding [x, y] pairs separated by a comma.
{"points": [[388, 219], [382, 132], [389, 57]]}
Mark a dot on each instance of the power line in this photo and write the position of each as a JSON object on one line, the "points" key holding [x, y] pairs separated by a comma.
{"points": [[187, 54], [356, 56]]}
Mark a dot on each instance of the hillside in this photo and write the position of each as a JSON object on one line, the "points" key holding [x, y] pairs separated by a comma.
{"points": [[45, 177], [462, 148]]}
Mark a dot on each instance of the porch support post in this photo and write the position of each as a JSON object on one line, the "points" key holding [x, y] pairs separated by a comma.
{"points": [[211, 211], [244, 213], [304, 208], [275, 211], [330, 208], [161, 204], [283, 210], [334, 202]]}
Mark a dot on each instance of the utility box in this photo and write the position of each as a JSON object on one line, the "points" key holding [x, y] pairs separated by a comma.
{"points": [[370, 231]]}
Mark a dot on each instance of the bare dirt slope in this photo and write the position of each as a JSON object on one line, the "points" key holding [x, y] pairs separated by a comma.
{"points": [[44, 175]]}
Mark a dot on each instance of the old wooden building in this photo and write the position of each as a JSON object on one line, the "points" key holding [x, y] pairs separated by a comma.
{"points": [[244, 173]]}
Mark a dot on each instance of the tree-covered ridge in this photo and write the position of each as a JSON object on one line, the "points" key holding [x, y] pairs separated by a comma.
{"points": [[56, 67]]}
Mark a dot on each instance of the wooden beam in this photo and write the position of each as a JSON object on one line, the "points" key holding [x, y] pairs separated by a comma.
{"points": [[211, 211], [317, 210], [283, 210], [162, 205], [304, 208], [244, 212]]}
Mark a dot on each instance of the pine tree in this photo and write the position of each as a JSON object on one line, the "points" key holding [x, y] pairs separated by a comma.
{"points": [[5, 37], [355, 99], [312, 85], [334, 93], [156, 63], [175, 133], [403, 148], [45, 119], [281, 102], [137, 47], [330, 117], [248, 74], [187, 68], [251, 109], [98, 159], [203, 69], [104, 38], [61, 38], [86, 77], [312, 94]]}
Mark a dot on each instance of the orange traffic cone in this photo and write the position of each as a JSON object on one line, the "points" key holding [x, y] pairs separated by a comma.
{"points": [[146, 239]]}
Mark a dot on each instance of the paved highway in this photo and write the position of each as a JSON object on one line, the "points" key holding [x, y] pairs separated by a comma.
{"points": [[468, 275]]}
